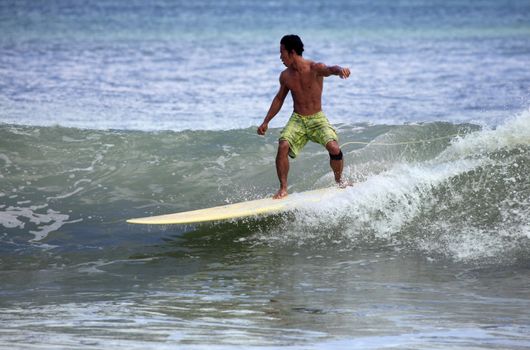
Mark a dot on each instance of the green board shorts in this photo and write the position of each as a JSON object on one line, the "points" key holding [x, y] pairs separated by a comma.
{"points": [[301, 129]]}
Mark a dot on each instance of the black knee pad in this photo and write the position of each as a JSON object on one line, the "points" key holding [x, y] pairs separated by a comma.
{"points": [[336, 156]]}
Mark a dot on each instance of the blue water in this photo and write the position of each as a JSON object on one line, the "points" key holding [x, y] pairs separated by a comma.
{"points": [[215, 64], [112, 109]]}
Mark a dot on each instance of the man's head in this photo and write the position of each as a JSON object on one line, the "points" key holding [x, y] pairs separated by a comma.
{"points": [[293, 43], [290, 46]]}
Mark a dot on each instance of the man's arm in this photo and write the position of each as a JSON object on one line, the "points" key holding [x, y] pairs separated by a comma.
{"points": [[326, 71], [275, 107]]}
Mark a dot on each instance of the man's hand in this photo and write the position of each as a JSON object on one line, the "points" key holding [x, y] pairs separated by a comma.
{"points": [[262, 129], [344, 73]]}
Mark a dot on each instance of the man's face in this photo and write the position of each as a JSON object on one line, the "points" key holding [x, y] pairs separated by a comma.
{"points": [[285, 56]]}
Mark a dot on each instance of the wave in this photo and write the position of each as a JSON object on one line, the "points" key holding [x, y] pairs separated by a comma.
{"points": [[470, 202], [418, 187]]}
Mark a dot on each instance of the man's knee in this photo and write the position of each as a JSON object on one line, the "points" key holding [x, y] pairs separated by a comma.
{"points": [[283, 147], [334, 150], [333, 147]]}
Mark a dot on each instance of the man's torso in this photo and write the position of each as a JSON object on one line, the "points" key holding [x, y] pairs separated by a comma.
{"points": [[306, 88]]}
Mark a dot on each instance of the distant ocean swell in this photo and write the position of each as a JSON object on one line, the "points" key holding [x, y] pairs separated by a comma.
{"points": [[464, 198]]}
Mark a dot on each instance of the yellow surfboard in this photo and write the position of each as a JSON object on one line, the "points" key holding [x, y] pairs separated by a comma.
{"points": [[241, 210]]}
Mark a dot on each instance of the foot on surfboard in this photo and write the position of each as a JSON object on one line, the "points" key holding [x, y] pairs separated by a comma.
{"points": [[280, 194], [344, 184]]}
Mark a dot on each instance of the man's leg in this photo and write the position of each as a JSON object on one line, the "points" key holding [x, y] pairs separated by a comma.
{"points": [[335, 161], [282, 168]]}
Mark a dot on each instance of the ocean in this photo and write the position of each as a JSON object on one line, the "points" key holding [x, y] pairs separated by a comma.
{"points": [[111, 110]]}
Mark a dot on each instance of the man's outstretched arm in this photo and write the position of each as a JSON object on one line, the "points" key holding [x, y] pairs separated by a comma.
{"points": [[275, 107], [326, 71]]}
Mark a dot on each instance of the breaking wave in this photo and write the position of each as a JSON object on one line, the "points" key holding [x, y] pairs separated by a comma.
{"points": [[417, 187]]}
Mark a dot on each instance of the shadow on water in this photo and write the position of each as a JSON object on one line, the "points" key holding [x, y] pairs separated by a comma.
{"points": [[215, 240]]}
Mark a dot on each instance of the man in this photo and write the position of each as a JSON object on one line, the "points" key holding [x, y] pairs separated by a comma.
{"points": [[304, 79]]}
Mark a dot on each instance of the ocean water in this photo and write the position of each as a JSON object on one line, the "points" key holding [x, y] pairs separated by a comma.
{"points": [[112, 109]]}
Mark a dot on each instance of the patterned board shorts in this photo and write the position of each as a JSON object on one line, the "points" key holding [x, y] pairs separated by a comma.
{"points": [[301, 129]]}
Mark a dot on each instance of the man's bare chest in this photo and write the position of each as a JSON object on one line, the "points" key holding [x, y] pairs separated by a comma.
{"points": [[303, 83]]}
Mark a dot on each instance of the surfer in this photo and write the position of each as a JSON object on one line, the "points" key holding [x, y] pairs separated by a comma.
{"points": [[304, 79]]}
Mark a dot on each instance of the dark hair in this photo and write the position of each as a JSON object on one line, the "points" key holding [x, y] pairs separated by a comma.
{"points": [[293, 42]]}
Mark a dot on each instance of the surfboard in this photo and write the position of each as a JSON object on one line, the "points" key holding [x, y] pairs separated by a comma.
{"points": [[240, 210]]}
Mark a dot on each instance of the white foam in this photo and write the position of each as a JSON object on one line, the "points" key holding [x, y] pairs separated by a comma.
{"points": [[514, 132], [81, 181], [384, 203], [66, 195], [45, 223]]}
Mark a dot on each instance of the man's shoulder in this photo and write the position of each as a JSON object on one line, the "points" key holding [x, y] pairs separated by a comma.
{"points": [[284, 74], [320, 69], [317, 65]]}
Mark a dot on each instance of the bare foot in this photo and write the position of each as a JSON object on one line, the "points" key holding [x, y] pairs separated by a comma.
{"points": [[344, 183], [280, 194]]}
